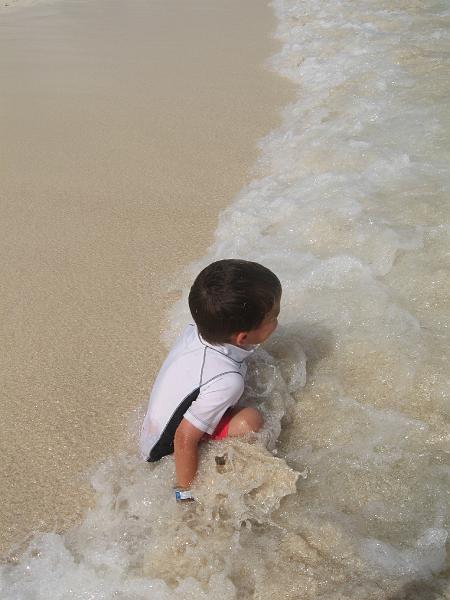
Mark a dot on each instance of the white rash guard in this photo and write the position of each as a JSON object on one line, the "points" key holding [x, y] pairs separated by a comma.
{"points": [[198, 381]]}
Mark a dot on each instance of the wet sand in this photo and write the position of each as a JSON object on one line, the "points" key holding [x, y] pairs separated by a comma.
{"points": [[125, 127]]}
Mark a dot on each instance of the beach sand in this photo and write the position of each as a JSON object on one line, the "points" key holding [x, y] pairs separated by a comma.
{"points": [[125, 127]]}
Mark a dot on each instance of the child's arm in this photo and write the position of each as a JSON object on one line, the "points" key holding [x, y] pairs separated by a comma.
{"points": [[186, 442]]}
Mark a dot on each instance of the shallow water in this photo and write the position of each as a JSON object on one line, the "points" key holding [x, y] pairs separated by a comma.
{"points": [[352, 500]]}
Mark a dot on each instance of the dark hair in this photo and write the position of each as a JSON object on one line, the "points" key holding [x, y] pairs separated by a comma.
{"points": [[230, 296]]}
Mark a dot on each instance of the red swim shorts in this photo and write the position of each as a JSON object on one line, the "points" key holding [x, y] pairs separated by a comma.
{"points": [[221, 431]]}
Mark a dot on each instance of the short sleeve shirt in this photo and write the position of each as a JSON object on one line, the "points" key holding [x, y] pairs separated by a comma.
{"points": [[198, 381]]}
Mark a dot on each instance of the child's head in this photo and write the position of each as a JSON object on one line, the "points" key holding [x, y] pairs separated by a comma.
{"points": [[235, 301]]}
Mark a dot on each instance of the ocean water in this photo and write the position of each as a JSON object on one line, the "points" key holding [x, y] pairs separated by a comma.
{"points": [[346, 494]]}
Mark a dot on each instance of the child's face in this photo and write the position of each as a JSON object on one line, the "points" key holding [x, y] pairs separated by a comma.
{"points": [[264, 331]]}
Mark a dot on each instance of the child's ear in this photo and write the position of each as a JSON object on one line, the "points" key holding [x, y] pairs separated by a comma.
{"points": [[241, 338]]}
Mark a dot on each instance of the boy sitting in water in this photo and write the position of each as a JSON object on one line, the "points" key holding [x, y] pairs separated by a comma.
{"points": [[235, 305]]}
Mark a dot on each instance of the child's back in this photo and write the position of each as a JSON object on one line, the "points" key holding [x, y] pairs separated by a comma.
{"points": [[197, 381]]}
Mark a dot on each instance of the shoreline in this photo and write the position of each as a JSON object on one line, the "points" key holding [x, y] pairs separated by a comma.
{"points": [[117, 121]]}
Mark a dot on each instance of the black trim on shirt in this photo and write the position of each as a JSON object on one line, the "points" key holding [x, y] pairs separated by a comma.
{"points": [[165, 444], [238, 362], [203, 365]]}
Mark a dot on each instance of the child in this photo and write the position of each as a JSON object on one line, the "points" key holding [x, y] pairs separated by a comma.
{"points": [[235, 305]]}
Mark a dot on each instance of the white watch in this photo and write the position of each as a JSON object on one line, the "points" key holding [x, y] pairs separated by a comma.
{"points": [[181, 495]]}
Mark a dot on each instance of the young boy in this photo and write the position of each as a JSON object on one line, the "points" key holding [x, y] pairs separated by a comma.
{"points": [[235, 305]]}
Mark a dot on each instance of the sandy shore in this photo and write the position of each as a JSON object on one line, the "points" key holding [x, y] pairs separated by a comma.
{"points": [[124, 127]]}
